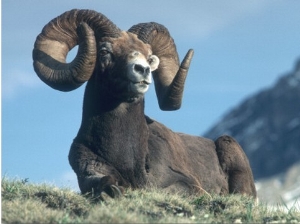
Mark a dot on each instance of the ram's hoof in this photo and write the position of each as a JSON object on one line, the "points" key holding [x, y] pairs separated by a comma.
{"points": [[117, 192], [110, 192]]}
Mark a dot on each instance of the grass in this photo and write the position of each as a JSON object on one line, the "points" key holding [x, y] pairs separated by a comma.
{"points": [[23, 202]]}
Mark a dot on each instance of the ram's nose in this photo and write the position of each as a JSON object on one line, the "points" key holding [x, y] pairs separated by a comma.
{"points": [[142, 70]]}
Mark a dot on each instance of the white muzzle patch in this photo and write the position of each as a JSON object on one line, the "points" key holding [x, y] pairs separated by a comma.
{"points": [[140, 72]]}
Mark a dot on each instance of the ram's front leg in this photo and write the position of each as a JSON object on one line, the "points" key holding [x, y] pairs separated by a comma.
{"points": [[95, 176]]}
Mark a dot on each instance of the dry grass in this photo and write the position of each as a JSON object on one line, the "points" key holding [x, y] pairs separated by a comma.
{"points": [[23, 202]]}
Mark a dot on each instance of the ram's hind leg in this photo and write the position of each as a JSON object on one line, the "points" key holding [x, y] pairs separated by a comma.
{"points": [[235, 164]]}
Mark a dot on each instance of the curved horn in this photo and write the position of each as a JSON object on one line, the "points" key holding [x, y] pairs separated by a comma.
{"points": [[59, 36], [170, 76]]}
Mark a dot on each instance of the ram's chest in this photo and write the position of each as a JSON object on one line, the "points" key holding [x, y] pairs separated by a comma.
{"points": [[121, 145]]}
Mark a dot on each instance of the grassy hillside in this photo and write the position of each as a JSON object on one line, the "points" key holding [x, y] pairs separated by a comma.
{"points": [[23, 202]]}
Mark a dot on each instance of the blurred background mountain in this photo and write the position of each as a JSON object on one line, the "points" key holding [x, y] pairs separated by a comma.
{"points": [[267, 126]]}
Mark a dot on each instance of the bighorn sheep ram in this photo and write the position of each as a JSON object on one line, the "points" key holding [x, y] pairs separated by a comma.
{"points": [[117, 145]]}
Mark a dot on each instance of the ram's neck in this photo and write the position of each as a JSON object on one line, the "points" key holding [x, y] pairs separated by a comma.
{"points": [[117, 132]]}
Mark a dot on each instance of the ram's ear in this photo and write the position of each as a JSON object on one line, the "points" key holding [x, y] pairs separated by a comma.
{"points": [[154, 62]]}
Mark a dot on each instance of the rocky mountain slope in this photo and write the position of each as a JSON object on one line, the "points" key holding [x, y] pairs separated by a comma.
{"points": [[267, 125], [281, 188]]}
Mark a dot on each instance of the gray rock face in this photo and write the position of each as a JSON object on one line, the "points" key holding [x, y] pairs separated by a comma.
{"points": [[267, 126]]}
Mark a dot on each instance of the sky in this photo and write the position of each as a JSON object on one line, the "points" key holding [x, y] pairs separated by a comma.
{"points": [[241, 47]]}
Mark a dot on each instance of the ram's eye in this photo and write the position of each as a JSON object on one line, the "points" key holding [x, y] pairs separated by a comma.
{"points": [[103, 52]]}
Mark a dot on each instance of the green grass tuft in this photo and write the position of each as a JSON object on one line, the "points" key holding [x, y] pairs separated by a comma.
{"points": [[23, 202]]}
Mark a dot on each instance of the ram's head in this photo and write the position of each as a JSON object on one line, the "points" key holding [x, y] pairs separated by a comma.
{"points": [[125, 59]]}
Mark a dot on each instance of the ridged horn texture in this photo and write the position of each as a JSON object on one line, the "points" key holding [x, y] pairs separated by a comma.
{"points": [[170, 76], [59, 36]]}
